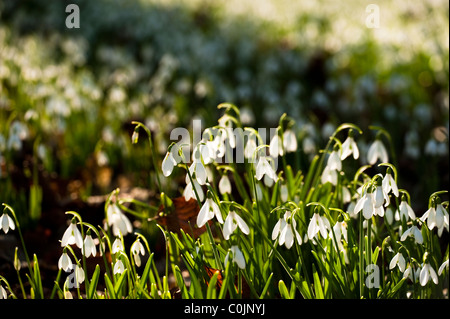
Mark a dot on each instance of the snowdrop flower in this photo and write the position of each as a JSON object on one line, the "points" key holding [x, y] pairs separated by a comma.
{"points": [[250, 147], [79, 274], [366, 204], [118, 267], [309, 146], [224, 185], [398, 260], [289, 141], [6, 223], [198, 172], [389, 215], [64, 262], [237, 257], [136, 249], [275, 146], [389, 183], [349, 147], [72, 235], [406, 211], [226, 123], [379, 196], [264, 168], [426, 274], [168, 164], [285, 229], [207, 212], [3, 294], [377, 151], [329, 175], [117, 246], [334, 165], [443, 266], [351, 210], [318, 224], [203, 153], [119, 222], [190, 193], [232, 221], [340, 231], [89, 246], [334, 161], [414, 232], [436, 217]]}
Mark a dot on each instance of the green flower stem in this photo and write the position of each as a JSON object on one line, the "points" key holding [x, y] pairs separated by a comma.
{"points": [[83, 257], [21, 238], [361, 255], [152, 148], [305, 271], [369, 246], [56, 285]]}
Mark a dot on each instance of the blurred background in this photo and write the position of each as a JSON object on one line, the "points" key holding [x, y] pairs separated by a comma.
{"points": [[68, 96]]}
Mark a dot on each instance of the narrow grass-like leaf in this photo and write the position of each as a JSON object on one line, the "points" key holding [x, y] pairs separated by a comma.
{"points": [[119, 283], [211, 291], [110, 287], [317, 285], [266, 286], [180, 282], [37, 278], [94, 282]]}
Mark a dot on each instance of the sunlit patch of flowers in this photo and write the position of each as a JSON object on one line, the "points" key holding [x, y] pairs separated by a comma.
{"points": [[331, 231]]}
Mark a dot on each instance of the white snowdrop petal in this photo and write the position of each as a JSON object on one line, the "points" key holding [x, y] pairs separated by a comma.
{"points": [[167, 165], [216, 211], [405, 234], [368, 207], [242, 224], [276, 229], [289, 237], [433, 275], [423, 277], [372, 155], [393, 262], [203, 215]]}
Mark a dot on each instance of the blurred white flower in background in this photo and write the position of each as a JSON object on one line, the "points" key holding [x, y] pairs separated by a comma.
{"points": [[377, 151], [118, 220]]}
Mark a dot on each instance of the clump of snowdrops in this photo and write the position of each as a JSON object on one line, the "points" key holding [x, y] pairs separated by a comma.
{"points": [[263, 228]]}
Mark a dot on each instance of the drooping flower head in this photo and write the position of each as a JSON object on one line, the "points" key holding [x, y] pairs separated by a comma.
{"points": [[6, 223], [232, 222], [398, 260], [264, 168], [377, 151], [118, 220], [89, 246], [137, 249], [207, 212], [318, 224], [64, 262], [349, 147], [72, 235], [224, 185], [237, 257], [285, 230]]}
